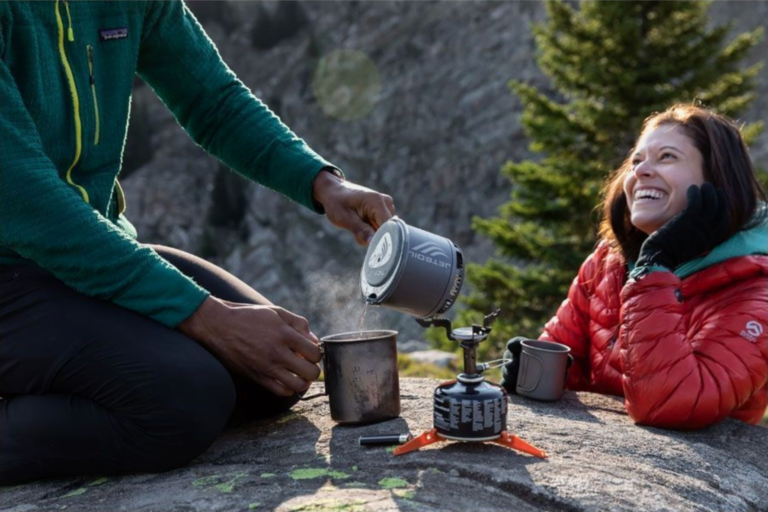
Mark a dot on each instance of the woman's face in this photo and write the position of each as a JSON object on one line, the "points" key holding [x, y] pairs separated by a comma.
{"points": [[664, 165]]}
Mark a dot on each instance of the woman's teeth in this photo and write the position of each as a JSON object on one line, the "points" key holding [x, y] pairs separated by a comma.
{"points": [[648, 195]]}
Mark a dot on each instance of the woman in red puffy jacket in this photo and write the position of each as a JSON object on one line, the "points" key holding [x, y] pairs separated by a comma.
{"points": [[670, 309]]}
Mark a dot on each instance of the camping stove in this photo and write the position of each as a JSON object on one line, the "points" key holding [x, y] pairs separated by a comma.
{"points": [[469, 408]]}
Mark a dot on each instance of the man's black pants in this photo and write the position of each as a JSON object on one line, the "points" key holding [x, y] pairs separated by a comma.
{"points": [[89, 387]]}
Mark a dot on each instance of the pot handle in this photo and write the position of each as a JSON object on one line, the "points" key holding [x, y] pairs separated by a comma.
{"points": [[524, 367], [321, 345], [310, 397], [496, 363]]}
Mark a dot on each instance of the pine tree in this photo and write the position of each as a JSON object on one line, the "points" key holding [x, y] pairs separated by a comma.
{"points": [[612, 64]]}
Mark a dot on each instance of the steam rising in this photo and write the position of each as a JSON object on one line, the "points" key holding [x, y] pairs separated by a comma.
{"points": [[333, 304], [337, 304]]}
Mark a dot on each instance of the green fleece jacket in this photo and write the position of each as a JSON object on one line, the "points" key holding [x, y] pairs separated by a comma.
{"points": [[66, 76]]}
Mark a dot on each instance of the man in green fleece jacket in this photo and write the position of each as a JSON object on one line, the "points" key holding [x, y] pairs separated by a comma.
{"points": [[114, 352]]}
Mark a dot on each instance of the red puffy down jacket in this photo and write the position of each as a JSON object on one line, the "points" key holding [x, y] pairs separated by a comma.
{"points": [[684, 353]]}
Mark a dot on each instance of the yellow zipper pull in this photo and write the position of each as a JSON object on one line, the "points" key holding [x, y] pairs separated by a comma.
{"points": [[75, 104], [70, 32]]}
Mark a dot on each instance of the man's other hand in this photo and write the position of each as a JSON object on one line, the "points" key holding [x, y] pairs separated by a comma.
{"points": [[267, 344]]}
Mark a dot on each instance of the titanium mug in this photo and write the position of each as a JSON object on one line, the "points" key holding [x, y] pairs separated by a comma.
{"points": [[543, 369], [361, 379]]}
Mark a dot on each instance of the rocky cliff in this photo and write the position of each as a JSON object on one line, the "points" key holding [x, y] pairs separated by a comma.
{"points": [[410, 98]]}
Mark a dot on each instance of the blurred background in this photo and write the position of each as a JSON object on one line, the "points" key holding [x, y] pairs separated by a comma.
{"points": [[493, 124]]}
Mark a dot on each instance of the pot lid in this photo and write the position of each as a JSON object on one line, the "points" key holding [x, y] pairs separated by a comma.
{"points": [[384, 253]]}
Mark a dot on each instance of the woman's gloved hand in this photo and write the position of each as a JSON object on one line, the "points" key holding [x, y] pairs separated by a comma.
{"points": [[701, 226], [509, 371]]}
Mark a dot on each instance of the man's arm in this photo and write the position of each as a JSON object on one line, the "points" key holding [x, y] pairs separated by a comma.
{"points": [[182, 65]]}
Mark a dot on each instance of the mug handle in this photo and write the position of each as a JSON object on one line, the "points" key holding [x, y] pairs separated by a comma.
{"points": [[321, 345], [310, 397], [541, 371]]}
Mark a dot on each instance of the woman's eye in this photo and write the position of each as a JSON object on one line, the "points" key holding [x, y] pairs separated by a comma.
{"points": [[635, 163], [665, 155]]}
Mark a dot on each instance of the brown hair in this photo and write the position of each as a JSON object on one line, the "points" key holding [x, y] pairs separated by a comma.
{"points": [[726, 163]]}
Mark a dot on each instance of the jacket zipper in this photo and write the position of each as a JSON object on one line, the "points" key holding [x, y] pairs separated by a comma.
{"points": [[73, 92], [89, 48]]}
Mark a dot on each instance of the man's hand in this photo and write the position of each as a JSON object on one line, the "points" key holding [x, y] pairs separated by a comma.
{"points": [[268, 344], [357, 209]]}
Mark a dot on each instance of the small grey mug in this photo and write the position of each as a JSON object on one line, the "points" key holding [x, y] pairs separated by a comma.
{"points": [[543, 369]]}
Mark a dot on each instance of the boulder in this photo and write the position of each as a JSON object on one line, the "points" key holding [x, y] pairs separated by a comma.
{"points": [[302, 461]]}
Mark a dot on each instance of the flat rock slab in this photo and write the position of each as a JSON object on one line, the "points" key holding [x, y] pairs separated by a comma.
{"points": [[302, 461]]}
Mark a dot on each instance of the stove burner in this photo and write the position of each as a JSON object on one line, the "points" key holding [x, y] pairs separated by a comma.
{"points": [[469, 408]]}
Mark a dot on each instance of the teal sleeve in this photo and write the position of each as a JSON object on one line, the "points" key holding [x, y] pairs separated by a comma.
{"points": [[45, 220], [182, 65]]}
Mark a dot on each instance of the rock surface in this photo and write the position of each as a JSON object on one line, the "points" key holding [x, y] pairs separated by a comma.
{"points": [[302, 461], [441, 126]]}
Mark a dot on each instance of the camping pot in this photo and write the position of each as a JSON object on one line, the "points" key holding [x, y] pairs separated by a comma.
{"points": [[361, 379], [411, 270]]}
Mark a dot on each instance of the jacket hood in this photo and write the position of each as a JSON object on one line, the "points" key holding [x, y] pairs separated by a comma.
{"points": [[744, 243]]}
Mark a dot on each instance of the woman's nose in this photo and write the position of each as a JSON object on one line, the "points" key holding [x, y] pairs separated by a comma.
{"points": [[644, 169]]}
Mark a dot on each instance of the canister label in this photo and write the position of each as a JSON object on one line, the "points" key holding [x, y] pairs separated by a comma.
{"points": [[470, 418]]}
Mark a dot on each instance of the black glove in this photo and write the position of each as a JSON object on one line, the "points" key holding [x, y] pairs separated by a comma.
{"points": [[701, 226], [509, 370]]}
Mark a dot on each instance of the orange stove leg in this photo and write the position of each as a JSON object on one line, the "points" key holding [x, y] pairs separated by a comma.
{"points": [[414, 444], [516, 443]]}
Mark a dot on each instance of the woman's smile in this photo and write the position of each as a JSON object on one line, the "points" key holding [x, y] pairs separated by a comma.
{"points": [[645, 195]]}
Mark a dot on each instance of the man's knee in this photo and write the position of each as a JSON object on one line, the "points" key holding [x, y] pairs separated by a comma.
{"points": [[192, 403]]}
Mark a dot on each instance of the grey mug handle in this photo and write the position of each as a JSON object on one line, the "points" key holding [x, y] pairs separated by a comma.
{"points": [[310, 397], [523, 355]]}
